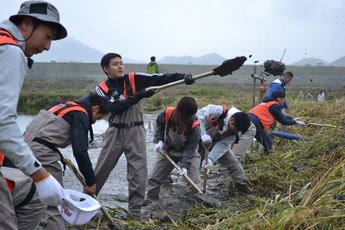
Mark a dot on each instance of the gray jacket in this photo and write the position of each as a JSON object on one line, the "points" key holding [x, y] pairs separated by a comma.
{"points": [[13, 68]]}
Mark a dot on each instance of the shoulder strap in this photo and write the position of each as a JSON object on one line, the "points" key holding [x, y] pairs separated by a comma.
{"points": [[6, 38], [129, 88], [62, 109], [168, 112]]}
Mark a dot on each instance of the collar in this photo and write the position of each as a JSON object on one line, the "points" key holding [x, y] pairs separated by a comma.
{"points": [[14, 30]]}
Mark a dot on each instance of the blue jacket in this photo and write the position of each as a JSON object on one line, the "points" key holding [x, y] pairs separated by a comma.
{"points": [[277, 85]]}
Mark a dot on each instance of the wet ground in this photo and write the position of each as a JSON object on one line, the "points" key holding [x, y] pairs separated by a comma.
{"points": [[175, 197]]}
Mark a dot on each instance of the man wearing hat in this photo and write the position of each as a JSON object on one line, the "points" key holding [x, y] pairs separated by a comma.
{"points": [[25, 34]]}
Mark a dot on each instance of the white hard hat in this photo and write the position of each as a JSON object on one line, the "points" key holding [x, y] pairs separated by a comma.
{"points": [[78, 208]]}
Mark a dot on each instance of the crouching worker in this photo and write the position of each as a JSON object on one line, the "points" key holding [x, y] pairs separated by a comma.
{"points": [[63, 124], [225, 129], [266, 114], [177, 134]]}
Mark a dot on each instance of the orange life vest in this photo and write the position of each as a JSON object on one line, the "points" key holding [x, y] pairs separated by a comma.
{"points": [[128, 82], [61, 109], [6, 38], [169, 111], [262, 112], [10, 184]]}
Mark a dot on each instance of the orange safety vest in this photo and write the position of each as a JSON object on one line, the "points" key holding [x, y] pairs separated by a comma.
{"points": [[262, 112], [215, 121], [130, 82], [6, 38], [61, 109], [168, 113], [10, 184]]}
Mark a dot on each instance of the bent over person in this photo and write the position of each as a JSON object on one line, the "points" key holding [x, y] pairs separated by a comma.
{"points": [[178, 133], [225, 129], [265, 115], [126, 132], [25, 34], [64, 124]]}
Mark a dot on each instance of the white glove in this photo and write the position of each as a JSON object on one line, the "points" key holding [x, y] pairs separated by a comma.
{"points": [[50, 191], [183, 172], [206, 139], [206, 165], [159, 146], [299, 121]]}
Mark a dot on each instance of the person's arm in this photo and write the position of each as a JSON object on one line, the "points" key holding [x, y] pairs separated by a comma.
{"points": [[143, 81], [80, 143], [12, 72], [190, 145], [160, 128], [276, 111], [221, 147]]}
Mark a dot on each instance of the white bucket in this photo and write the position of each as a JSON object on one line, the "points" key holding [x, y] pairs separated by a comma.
{"points": [[78, 208]]}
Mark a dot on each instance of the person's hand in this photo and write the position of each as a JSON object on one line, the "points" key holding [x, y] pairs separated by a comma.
{"points": [[299, 121], [50, 191], [90, 190], [159, 146], [188, 79], [182, 172], [207, 164], [146, 93], [206, 139]]}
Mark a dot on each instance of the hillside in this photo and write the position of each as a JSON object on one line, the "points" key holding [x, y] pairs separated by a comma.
{"points": [[338, 62], [310, 61], [209, 59]]}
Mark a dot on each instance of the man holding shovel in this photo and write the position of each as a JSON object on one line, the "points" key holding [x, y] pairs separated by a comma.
{"points": [[228, 130], [64, 124], [126, 133]]}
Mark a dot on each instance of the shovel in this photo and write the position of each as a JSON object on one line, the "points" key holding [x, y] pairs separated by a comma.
{"points": [[176, 166], [226, 68], [325, 125]]}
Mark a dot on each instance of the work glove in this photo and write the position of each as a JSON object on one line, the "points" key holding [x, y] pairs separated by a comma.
{"points": [[188, 79], [50, 191], [229, 66], [182, 172], [299, 121], [207, 164], [159, 146], [145, 93], [206, 139]]}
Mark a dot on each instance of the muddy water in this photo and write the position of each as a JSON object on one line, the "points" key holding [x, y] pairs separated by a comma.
{"points": [[115, 191]]}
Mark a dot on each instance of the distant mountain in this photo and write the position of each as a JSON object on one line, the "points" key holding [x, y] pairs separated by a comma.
{"points": [[338, 62], [71, 50], [209, 59], [311, 61]]}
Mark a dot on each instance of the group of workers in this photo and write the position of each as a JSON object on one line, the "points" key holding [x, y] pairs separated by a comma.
{"points": [[31, 175]]}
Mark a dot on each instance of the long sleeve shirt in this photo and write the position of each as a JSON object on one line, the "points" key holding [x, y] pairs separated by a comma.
{"points": [[142, 81], [13, 68]]}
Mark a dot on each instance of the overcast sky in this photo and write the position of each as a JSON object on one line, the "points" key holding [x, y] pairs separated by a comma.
{"points": [[138, 29]]}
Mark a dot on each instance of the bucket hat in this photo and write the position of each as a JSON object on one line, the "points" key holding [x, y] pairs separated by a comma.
{"points": [[43, 11]]}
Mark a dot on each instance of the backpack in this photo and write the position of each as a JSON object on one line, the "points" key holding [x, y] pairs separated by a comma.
{"points": [[274, 67]]}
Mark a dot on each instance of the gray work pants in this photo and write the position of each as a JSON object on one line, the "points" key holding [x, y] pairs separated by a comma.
{"points": [[131, 142], [162, 170]]}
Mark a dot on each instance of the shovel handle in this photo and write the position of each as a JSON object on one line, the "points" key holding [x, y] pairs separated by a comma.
{"points": [[195, 77], [179, 169]]}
